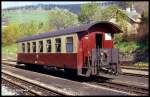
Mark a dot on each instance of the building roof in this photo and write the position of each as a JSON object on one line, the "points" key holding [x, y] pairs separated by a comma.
{"points": [[78, 29]]}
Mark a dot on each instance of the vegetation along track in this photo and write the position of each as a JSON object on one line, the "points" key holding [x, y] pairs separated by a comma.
{"points": [[32, 88]]}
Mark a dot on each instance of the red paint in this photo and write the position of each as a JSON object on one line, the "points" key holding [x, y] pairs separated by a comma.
{"points": [[108, 43], [70, 60], [26, 58], [51, 59], [86, 46]]}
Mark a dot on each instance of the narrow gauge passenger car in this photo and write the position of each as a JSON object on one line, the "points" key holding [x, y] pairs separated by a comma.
{"points": [[87, 50]]}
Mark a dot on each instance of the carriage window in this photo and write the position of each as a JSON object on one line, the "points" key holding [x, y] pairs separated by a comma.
{"points": [[34, 46], [69, 44], [58, 45], [28, 46], [48, 45], [107, 36], [23, 47], [40, 46]]}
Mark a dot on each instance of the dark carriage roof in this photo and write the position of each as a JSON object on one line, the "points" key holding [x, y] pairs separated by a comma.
{"points": [[77, 29]]}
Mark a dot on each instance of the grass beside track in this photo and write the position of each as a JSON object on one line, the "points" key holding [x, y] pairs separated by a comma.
{"points": [[9, 51]]}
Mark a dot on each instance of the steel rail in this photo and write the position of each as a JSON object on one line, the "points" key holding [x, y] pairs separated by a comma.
{"points": [[20, 86], [25, 85], [124, 87], [123, 73]]}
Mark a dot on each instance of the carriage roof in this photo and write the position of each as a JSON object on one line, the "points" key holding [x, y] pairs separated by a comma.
{"points": [[78, 29]]}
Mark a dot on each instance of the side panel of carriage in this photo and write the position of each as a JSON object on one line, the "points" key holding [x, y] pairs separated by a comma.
{"points": [[61, 59]]}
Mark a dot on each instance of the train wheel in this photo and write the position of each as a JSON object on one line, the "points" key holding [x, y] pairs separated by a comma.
{"points": [[71, 71], [28, 66]]}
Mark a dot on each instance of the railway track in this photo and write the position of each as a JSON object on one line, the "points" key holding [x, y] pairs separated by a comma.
{"points": [[123, 87], [118, 86], [31, 87], [134, 68], [124, 73], [136, 75]]}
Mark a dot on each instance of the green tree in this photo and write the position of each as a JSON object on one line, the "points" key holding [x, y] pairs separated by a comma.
{"points": [[15, 31], [62, 18], [89, 12], [29, 28], [119, 15], [9, 34], [44, 27]]}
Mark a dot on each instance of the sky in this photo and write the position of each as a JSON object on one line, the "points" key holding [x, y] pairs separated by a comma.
{"points": [[7, 4]]}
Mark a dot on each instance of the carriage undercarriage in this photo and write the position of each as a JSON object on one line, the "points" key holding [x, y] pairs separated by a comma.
{"points": [[102, 62]]}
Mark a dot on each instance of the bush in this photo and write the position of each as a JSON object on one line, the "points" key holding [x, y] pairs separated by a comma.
{"points": [[127, 46], [15, 31], [141, 65], [9, 49], [118, 38], [62, 18]]}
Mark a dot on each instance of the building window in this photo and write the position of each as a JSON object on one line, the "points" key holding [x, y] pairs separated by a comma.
{"points": [[58, 45], [48, 45], [28, 47], [69, 44], [40, 46], [34, 46], [23, 47]]}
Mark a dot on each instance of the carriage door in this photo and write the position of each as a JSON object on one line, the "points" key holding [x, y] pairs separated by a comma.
{"points": [[88, 43], [85, 46], [98, 41]]}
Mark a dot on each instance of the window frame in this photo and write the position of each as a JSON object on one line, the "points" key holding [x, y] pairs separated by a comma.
{"points": [[28, 47], [23, 47], [48, 45], [58, 44], [34, 47], [108, 36], [67, 43], [40, 46]]}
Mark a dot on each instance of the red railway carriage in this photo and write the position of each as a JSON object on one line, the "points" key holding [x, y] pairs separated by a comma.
{"points": [[86, 49]]}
